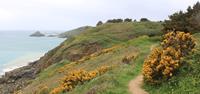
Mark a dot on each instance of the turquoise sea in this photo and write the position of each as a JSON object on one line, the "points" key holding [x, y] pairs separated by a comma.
{"points": [[18, 49]]}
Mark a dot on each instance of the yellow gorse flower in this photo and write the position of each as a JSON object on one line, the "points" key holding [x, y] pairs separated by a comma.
{"points": [[163, 62], [76, 77]]}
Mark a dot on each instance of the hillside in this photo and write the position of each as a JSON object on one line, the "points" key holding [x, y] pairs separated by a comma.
{"points": [[118, 47], [73, 32], [106, 45], [102, 60]]}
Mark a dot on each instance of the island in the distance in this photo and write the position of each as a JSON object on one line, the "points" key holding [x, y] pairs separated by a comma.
{"points": [[37, 34]]}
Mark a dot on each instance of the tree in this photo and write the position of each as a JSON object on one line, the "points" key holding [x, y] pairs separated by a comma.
{"points": [[99, 23], [144, 20], [184, 21], [127, 20], [115, 21]]}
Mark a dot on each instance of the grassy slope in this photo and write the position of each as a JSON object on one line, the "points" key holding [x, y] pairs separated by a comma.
{"points": [[128, 35], [73, 32], [116, 81], [187, 79]]}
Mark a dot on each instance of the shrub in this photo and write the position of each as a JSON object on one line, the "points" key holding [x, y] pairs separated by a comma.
{"points": [[184, 21], [43, 90], [57, 90], [127, 59], [115, 21], [127, 20], [99, 23], [144, 20], [180, 41], [164, 61], [77, 77]]}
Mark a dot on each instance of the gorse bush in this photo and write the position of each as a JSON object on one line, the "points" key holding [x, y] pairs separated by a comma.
{"points": [[179, 41], [164, 61], [77, 77]]}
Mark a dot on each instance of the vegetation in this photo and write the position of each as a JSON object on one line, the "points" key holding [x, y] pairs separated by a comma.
{"points": [[74, 32], [186, 80], [115, 21], [144, 20], [78, 77], [99, 23], [127, 20], [105, 58], [184, 21], [124, 45], [163, 62]]}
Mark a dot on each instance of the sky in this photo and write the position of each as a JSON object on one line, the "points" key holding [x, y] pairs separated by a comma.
{"points": [[62, 15]]}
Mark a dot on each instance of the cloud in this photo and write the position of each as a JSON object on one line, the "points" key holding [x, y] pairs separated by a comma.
{"points": [[68, 14], [6, 15]]}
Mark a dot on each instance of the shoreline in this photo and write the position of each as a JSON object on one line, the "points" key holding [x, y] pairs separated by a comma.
{"points": [[20, 62]]}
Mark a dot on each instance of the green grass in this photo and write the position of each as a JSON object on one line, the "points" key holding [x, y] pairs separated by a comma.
{"points": [[116, 81]]}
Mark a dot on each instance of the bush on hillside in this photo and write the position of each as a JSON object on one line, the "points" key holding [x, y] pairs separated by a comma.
{"points": [[127, 20], [99, 23], [184, 21], [115, 21], [163, 62], [78, 77], [144, 20]]}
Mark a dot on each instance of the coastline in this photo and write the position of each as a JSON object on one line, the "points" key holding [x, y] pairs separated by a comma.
{"points": [[20, 62]]}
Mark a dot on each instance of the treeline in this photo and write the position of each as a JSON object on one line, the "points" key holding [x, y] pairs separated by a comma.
{"points": [[122, 20], [188, 21]]}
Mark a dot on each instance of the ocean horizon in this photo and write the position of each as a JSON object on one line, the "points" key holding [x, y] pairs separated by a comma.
{"points": [[17, 49]]}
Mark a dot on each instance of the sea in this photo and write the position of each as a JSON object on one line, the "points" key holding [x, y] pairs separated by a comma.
{"points": [[17, 49]]}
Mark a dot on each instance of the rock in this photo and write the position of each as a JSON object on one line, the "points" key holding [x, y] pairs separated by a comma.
{"points": [[18, 78], [37, 34]]}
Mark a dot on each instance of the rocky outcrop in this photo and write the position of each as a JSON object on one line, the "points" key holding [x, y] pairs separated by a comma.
{"points": [[19, 78], [37, 34]]}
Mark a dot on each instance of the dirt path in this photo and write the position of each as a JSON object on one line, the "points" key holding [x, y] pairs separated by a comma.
{"points": [[135, 85]]}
